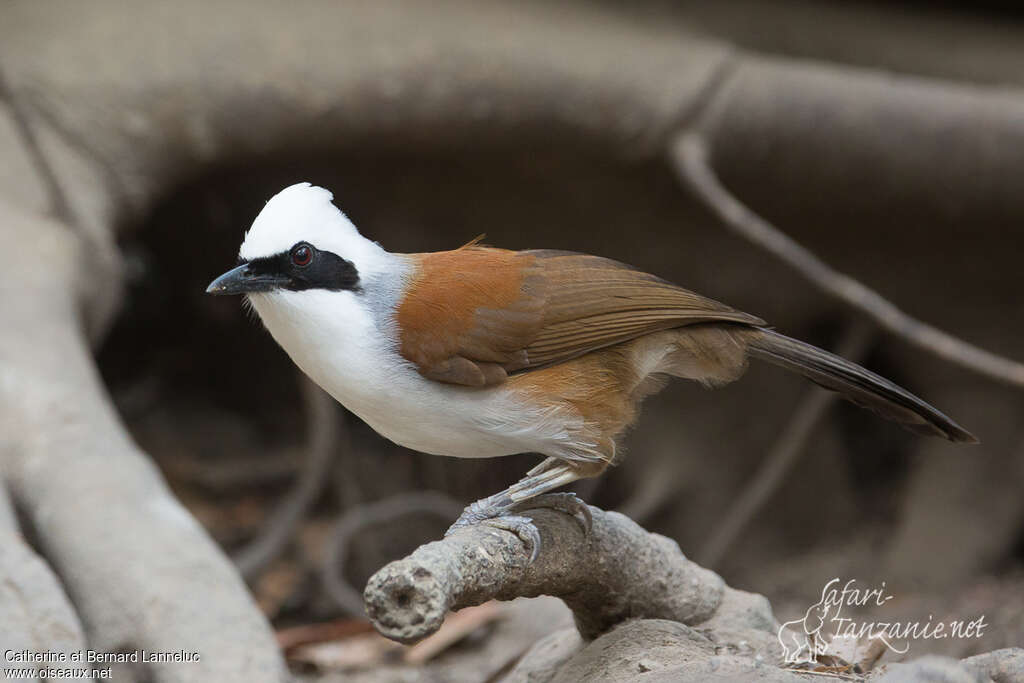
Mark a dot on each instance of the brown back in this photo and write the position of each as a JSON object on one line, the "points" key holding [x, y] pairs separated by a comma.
{"points": [[473, 315]]}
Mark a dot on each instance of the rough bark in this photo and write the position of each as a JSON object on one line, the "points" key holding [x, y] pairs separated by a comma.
{"points": [[619, 572]]}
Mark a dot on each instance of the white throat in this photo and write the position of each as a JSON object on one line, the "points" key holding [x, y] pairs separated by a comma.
{"points": [[344, 340]]}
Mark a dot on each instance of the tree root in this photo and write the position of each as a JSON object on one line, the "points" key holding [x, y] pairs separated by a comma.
{"points": [[139, 572]]}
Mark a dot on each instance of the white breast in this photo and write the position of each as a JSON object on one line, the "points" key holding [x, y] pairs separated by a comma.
{"points": [[344, 346]]}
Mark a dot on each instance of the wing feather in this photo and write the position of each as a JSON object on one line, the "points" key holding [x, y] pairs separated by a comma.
{"points": [[516, 311]]}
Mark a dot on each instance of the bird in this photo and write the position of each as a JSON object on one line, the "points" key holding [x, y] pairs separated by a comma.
{"points": [[481, 352]]}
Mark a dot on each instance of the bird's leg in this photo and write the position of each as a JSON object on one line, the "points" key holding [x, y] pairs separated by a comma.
{"points": [[530, 491], [543, 466]]}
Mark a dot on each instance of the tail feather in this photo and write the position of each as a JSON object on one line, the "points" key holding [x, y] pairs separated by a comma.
{"points": [[856, 384]]}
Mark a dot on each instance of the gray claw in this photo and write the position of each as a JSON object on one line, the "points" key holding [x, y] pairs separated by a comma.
{"points": [[568, 502], [523, 527], [473, 514], [485, 512], [494, 512]]}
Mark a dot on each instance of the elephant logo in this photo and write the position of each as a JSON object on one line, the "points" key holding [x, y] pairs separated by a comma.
{"points": [[802, 639]]}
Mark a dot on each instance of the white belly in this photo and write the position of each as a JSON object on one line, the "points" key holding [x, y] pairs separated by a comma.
{"points": [[351, 358]]}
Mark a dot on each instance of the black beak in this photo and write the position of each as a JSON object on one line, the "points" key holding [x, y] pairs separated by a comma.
{"points": [[243, 280]]}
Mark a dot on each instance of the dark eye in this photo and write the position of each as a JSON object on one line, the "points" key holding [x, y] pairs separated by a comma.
{"points": [[302, 254]]}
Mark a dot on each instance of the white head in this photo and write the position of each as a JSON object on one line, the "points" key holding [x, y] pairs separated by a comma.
{"points": [[300, 241]]}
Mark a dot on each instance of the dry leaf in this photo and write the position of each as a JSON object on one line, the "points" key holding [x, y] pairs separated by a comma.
{"points": [[362, 651], [306, 634]]}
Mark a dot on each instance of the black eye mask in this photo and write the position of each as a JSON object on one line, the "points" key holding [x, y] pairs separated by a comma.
{"points": [[305, 267]]}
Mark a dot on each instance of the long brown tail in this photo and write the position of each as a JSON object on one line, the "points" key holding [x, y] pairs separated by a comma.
{"points": [[856, 384]]}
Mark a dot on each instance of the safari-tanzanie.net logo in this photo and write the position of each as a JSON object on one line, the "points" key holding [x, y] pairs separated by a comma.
{"points": [[829, 620]]}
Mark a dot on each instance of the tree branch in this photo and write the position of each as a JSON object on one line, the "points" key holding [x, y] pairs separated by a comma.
{"points": [[620, 572], [690, 157]]}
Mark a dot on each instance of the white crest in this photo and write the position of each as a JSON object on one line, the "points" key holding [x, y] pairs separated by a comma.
{"points": [[305, 213]]}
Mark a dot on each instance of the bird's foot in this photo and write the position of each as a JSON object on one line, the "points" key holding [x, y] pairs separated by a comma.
{"points": [[498, 516], [496, 512], [567, 502]]}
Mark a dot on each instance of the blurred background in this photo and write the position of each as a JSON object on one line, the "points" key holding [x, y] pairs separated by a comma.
{"points": [[884, 137]]}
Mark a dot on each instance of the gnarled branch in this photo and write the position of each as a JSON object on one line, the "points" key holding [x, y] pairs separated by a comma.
{"points": [[619, 572], [690, 156]]}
